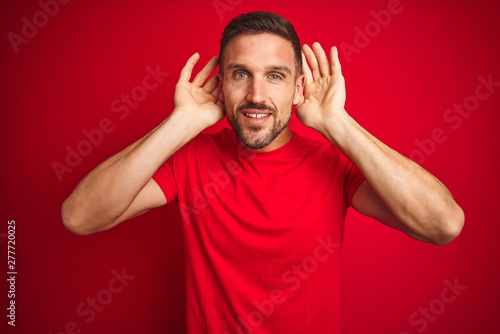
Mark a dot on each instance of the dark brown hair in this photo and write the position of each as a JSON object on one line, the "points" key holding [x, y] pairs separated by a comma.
{"points": [[258, 23]]}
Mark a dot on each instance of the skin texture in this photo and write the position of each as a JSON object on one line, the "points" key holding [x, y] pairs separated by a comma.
{"points": [[260, 77], [397, 192]]}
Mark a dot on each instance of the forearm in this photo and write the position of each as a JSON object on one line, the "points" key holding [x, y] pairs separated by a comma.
{"points": [[421, 203], [106, 192]]}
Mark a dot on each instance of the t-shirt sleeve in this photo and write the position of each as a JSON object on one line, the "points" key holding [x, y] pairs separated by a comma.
{"points": [[168, 176], [352, 179], [164, 178]]}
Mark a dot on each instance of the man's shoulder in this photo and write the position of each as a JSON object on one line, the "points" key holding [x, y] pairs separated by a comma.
{"points": [[223, 137], [208, 143], [313, 145]]}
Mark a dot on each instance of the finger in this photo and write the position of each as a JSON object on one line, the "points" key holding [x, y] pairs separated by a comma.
{"points": [[324, 65], [306, 70], [313, 62], [210, 85], [334, 56], [205, 72], [188, 68]]}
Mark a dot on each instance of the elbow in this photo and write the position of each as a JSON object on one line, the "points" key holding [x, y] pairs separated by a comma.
{"points": [[450, 226], [71, 219]]}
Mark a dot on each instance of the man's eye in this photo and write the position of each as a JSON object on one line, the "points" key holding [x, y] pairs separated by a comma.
{"points": [[274, 77], [240, 75]]}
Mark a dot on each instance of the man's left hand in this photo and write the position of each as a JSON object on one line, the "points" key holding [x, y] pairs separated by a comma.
{"points": [[324, 91]]}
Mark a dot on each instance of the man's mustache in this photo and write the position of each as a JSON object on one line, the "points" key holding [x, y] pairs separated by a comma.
{"points": [[259, 106]]}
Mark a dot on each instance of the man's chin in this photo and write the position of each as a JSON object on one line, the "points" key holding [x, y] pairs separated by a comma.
{"points": [[254, 137], [255, 140], [254, 143]]}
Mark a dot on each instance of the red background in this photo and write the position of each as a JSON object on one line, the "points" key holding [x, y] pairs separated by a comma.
{"points": [[63, 81]]}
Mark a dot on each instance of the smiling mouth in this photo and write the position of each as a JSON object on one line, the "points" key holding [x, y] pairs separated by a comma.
{"points": [[256, 115]]}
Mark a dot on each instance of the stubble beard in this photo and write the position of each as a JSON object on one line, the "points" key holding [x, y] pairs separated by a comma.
{"points": [[257, 137]]}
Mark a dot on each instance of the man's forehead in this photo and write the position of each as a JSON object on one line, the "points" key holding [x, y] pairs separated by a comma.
{"points": [[262, 50]]}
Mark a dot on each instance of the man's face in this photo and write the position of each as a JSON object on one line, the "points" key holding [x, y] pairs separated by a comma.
{"points": [[259, 86]]}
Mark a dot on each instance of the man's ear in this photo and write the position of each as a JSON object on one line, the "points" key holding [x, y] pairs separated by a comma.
{"points": [[218, 80], [298, 97]]}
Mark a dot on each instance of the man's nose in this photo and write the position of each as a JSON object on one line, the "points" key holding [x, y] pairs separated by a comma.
{"points": [[256, 91]]}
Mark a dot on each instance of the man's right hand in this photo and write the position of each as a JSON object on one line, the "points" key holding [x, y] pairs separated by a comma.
{"points": [[122, 186], [198, 100]]}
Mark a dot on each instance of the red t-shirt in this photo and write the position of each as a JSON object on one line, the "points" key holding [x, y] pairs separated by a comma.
{"points": [[263, 233]]}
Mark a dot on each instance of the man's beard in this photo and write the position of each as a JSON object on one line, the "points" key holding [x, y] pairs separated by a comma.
{"points": [[256, 137]]}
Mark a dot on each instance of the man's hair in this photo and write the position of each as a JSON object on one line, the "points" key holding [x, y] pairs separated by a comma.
{"points": [[260, 22]]}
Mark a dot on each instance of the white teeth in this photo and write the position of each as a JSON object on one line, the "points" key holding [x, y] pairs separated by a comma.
{"points": [[257, 115]]}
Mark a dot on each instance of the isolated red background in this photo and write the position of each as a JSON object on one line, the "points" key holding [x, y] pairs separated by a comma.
{"points": [[399, 86]]}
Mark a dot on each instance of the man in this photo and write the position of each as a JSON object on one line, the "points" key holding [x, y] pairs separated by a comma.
{"points": [[263, 207]]}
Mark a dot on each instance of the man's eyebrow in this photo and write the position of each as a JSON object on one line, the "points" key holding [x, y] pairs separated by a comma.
{"points": [[281, 68], [235, 66], [278, 68]]}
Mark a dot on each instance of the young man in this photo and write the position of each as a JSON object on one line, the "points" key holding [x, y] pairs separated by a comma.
{"points": [[263, 207]]}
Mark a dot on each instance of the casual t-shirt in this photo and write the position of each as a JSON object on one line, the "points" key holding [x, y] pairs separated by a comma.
{"points": [[263, 233]]}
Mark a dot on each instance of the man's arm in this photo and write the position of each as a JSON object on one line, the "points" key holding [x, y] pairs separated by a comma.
{"points": [[397, 191], [122, 186]]}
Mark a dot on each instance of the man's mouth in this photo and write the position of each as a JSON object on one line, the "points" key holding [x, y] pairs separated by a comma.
{"points": [[256, 115], [253, 115]]}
